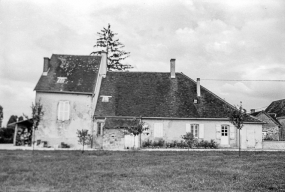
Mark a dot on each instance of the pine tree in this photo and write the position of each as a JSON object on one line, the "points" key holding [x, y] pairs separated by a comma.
{"points": [[113, 47]]}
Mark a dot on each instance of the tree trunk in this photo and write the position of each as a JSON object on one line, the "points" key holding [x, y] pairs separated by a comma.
{"points": [[239, 143]]}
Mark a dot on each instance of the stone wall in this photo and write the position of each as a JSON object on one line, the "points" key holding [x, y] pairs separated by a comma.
{"points": [[113, 139], [271, 129], [273, 145]]}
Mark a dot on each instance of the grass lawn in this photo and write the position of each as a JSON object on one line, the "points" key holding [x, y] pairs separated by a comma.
{"points": [[141, 171]]}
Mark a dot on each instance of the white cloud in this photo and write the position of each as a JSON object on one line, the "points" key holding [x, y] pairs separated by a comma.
{"points": [[210, 39]]}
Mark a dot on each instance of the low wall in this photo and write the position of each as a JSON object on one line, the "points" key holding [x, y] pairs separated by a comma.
{"points": [[273, 144]]}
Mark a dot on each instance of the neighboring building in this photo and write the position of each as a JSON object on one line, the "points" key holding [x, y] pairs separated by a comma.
{"points": [[78, 93], [271, 130], [278, 108]]}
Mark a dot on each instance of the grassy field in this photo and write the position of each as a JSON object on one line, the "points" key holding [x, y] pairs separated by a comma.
{"points": [[141, 171]]}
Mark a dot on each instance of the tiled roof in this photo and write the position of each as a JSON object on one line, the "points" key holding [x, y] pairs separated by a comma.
{"points": [[80, 73], [277, 107], [152, 94], [271, 116]]}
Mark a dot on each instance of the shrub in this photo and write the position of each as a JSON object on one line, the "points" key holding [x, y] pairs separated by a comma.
{"points": [[268, 138], [206, 144], [6, 135], [159, 143], [147, 143], [189, 139], [64, 145]]}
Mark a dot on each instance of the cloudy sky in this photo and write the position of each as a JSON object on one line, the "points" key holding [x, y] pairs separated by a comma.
{"points": [[213, 39]]}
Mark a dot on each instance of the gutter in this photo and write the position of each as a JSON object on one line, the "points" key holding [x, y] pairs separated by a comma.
{"points": [[67, 92], [173, 118]]}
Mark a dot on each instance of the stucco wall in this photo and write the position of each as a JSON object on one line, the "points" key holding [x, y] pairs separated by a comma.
{"points": [[54, 131], [174, 129]]}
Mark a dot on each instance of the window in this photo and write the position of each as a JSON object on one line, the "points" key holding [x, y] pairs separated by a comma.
{"points": [[195, 130], [158, 130], [224, 130], [63, 110], [61, 79], [105, 98], [99, 128]]}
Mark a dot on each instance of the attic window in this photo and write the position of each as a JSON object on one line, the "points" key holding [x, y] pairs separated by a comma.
{"points": [[105, 98], [61, 79], [195, 100]]}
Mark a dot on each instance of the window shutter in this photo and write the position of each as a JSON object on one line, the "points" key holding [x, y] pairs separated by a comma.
{"points": [[201, 131], [67, 110], [188, 128], [60, 110], [232, 132], [218, 131]]}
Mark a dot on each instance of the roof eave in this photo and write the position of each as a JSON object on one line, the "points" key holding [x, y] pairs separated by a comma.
{"points": [[65, 92], [176, 118]]}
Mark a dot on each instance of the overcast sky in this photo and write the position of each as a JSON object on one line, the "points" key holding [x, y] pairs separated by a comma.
{"points": [[209, 39]]}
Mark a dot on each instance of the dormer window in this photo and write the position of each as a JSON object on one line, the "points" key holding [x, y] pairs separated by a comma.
{"points": [[61, 79], [105, 98]]}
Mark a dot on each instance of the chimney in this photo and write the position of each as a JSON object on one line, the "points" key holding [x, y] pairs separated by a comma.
{"points": [[252, 111], [198, 87], [172, 68], [103, 67], [46, 66]]}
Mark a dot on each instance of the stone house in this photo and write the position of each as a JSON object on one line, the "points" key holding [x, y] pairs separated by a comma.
{"points": [[78, 92], [271, 129], [68, 89], [170, 104], [278, 109]]}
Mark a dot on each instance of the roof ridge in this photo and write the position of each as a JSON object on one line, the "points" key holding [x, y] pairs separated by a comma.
{"points": [[278, 100], [141, 72], [77, 55]]}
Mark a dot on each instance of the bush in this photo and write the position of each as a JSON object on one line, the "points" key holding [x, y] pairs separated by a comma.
{"points": [[6, 135], [268, 138], [206, 144], [64, 145], [147, 143], [159, 143], [189, 140]]}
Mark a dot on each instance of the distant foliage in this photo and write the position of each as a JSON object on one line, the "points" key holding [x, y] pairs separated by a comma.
{"points": [[6, 135], [12, 119], [108, 43]]}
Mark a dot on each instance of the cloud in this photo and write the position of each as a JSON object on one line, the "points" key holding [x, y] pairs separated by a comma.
{"points": [[210, 39]]}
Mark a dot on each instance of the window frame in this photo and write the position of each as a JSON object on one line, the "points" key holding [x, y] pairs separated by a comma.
{"points": [[63, 110], [225, 129], [194, 129]]}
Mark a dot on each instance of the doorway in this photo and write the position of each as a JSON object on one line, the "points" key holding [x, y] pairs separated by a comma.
{"points": [[225, 135]]}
